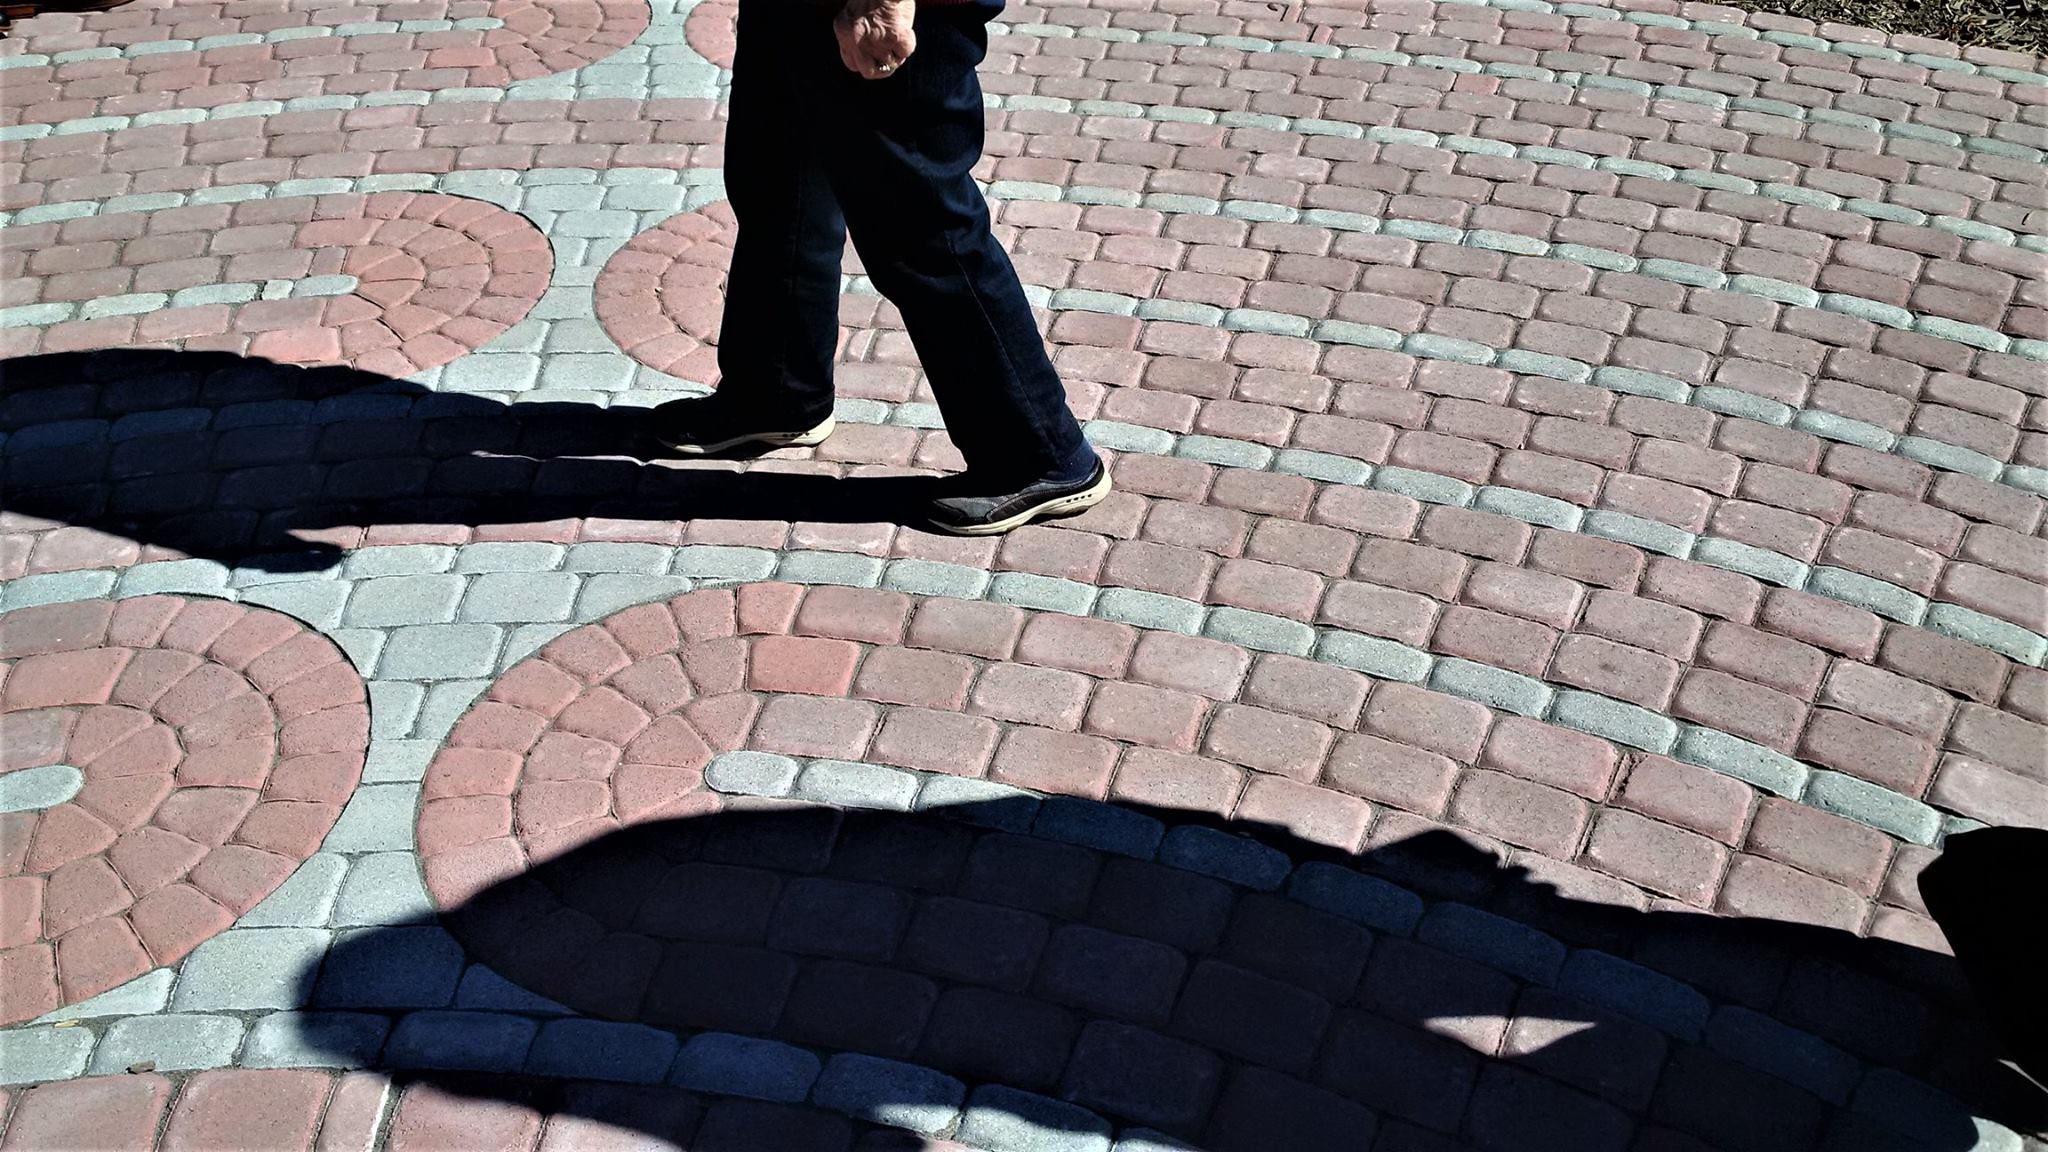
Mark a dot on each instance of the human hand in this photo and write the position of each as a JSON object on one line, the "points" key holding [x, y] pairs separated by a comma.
{"points": [[876, 36]]}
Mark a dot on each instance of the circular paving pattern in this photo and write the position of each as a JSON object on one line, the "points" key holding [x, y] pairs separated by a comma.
{"points": [[662, 294], [1211, 952], [710, 30], [389, 282], [166, 764]]}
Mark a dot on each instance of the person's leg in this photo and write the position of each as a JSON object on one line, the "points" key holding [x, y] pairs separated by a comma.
{"points": [[903, 154], [779, 335]]}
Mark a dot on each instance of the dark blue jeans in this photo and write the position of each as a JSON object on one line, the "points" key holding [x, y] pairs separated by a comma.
{"points": [[814, 151]]}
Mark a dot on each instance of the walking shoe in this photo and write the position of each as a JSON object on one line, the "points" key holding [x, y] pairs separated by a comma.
{"points": [[701, 426], [968, 507]]}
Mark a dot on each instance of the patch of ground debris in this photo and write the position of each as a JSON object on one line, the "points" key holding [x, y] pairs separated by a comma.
{"points": [[2020, 25]]}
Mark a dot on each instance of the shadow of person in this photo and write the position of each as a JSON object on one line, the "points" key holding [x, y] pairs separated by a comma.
{"points": [[247, 461], [1054, 967], [1987, 891]]}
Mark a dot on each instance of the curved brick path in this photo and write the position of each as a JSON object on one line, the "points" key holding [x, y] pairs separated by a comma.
{"points": [[212, 745], [1579, 549]]}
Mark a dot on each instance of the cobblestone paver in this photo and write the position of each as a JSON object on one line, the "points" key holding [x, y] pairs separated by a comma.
{"points": [[1578, 551]]}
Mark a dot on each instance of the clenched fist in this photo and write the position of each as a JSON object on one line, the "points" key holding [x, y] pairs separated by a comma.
{"points": [[875, 36]]}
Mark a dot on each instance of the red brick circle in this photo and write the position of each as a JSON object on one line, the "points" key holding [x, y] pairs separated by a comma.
{"points": [[661, 296], [541, 37], [710, 30], [218, 743], [437, 277], [612, 725]]}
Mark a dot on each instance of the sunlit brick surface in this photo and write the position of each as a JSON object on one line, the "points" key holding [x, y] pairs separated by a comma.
{"points": [[1577, 555]]}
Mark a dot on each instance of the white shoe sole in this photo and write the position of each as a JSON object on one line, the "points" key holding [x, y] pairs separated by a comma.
{"points": [[806, 439], [1068, 505]]}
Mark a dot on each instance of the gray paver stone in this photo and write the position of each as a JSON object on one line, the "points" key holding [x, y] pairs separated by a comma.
{"points": [[399, 560], [1427, 487], [315, 1040], [1881, 597], [509, 556], [602, 1050], [1643, 533], [390, 968], [527, 639], [1044, 593], [744, 1066], [1374, 656], [398, 761], [932, 578], [317, 602], [392, 601], [722, 562], [752, 773], [304, 900], [444, 704], [853, 785], [1867, 803], [169, 1043], [610, 592], [1614, 720], [378, 818], [519, 597], [828, 568], [1322, 466], [29, 1055], [146, 993], [1770, 567], [1493, 687], [1260, 631], [2000, 636], [1750, 763], [1495, 941], [888, 1092], [482, 988], [1636, 992], [200, 577], [1143, 609], [468, 1041], [1095, 825], [394, 705], [362, 646], [1237, 859], [55, 588], [34, 789], [981, 802], [1367, 900], [1006, 1120], [246, 968], [383, 889], [440, 652]]}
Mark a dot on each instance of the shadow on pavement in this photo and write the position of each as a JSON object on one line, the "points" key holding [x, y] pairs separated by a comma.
{"points": [[1325, 1010], [248, 461], [1227, 984]]}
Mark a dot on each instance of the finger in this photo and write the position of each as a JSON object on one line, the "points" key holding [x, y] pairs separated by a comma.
{"points": [[851, 55], [881, 63], [896, 54]]}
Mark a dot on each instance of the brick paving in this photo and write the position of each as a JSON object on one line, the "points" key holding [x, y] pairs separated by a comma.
{"points": [[1578, 551]]}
